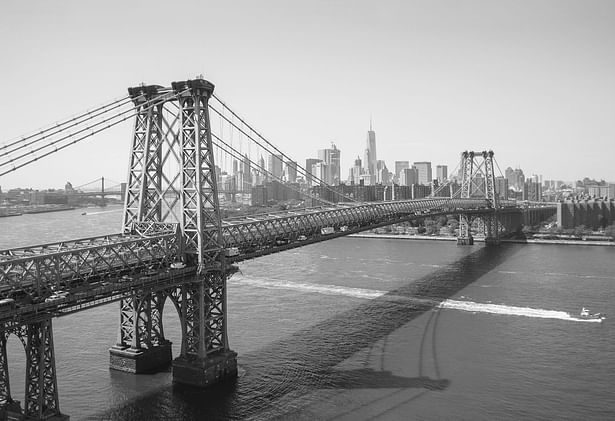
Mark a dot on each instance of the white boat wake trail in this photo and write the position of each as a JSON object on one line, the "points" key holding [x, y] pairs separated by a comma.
{"points": [[371, 294]]}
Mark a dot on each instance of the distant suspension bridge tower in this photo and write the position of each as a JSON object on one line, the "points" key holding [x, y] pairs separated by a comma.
{"points": [[478, 180]]}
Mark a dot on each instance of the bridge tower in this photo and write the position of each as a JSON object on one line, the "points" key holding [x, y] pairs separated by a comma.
{"points": [[172, 179], [478, 180]]}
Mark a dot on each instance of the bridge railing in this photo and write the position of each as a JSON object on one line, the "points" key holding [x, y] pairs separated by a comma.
{"points": [[71, 265]]}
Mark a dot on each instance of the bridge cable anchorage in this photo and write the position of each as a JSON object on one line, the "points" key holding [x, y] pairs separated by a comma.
{"points": [[234, 153], [122, 116], [88, 115], [298, 167]]}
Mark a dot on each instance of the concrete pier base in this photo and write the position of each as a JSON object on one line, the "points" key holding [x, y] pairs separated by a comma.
{"points": [[140, 360], [205, 372], [465, 241], [11, 411], [492, 241]]}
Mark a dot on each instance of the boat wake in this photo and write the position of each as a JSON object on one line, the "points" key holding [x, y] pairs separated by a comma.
{"points": [[513, 311], [371, 294]]}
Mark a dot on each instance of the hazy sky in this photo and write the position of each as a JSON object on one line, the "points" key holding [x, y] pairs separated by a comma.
{"points": [[532, 80]]}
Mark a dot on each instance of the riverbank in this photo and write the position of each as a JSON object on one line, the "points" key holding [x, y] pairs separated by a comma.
{"points": [[21, 210], [479, 240]]}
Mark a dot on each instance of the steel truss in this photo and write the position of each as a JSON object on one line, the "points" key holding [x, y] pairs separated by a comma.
{"points": [[33, 273], [478, 179], [141, 321], [264, 231], [41, 394], [201, 307]]}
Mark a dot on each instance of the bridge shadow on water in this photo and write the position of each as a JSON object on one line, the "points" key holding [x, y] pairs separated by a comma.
{"points": [[306, 361]]}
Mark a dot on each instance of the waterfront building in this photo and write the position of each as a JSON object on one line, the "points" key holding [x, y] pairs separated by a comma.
{"points": [[532, 191]]}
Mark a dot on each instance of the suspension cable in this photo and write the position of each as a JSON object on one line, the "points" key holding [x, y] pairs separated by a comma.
{"points": [[234, 153], [304, 172], [150, 104], [67, 121]]}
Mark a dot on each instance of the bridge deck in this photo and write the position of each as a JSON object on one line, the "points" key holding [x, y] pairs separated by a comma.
{"points": [[70, 274]]}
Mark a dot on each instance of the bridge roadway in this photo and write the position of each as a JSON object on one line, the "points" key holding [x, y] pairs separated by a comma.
{"points": [[97, 270]]}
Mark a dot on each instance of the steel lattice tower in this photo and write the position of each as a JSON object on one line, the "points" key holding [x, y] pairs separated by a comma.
{"points": [[478, 179], [172, 179]]}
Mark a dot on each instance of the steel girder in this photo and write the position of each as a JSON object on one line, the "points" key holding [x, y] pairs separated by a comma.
{"points": [[80, 263]]}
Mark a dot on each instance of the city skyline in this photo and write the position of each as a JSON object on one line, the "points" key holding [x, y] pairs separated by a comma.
{"points": [[532, 84]]}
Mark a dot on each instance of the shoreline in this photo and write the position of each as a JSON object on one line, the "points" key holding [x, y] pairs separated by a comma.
{"points": [[481, 240]]}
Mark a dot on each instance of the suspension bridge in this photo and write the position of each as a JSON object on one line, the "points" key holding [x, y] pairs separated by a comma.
{"points": [[176, 247]]}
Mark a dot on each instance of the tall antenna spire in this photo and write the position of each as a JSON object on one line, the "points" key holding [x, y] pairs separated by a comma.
{"points": [[370, 123]]}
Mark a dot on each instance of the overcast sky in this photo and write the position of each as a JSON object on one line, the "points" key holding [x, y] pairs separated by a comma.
{"points": [[532, 80]]}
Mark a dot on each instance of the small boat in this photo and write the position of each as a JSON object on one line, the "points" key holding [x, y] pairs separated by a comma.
{"points": [[585, 314]]}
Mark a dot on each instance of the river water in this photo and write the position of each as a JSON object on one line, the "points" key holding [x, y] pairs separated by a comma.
{"points": [[358, 329]]}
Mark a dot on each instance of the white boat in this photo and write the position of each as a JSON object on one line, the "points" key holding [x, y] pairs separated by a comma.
{"points": [[585, 314]]}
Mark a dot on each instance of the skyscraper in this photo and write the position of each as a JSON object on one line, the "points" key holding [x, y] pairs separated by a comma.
{"points": [[245, 169], [308, 168], [441, 173], [399, 166], [408, 176], [424, 169], [355, 172], [331, 157], [291, 171], [371, 158], [275, 166]]}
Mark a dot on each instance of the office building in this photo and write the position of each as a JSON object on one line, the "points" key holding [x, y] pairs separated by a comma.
{"points": [[408, 176], [309, 163], [275, 166], [291, 171], [399, 166], [331, 157], [424, 170], [441, 173], [371, 158]]}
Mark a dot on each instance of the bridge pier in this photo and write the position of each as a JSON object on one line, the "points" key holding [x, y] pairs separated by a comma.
{"points": [[465, 241], [204, 372], [41, 397], [205, 357], [141, 346], [137, 361]]}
